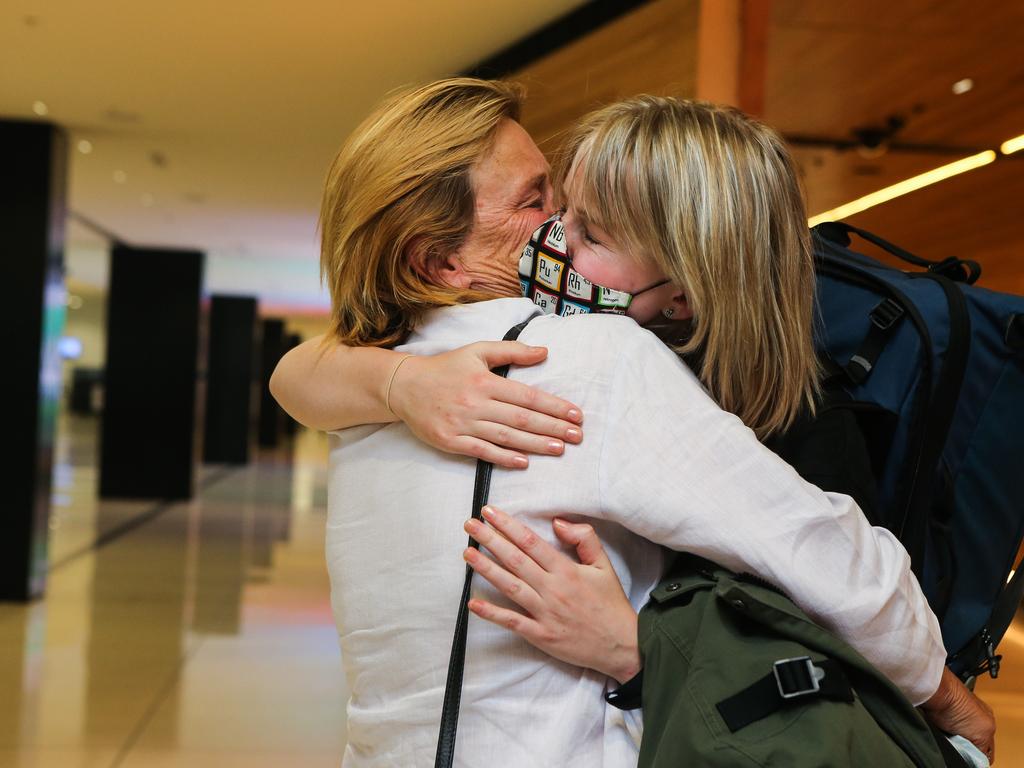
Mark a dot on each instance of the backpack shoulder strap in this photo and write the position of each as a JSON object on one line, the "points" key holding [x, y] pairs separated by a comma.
{"points": [[456, 664]]}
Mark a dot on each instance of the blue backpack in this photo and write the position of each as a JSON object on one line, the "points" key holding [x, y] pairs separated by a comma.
{"points": [[934, 370]]}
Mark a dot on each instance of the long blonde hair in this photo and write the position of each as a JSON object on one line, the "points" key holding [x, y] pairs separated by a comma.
{"points": [[712, 196], [402, 180]]}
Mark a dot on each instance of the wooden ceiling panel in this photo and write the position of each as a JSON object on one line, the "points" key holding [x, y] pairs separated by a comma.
{"points": [[976, 216], [836, 66], [651, 50]]}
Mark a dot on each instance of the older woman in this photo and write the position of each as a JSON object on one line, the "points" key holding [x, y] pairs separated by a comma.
{"points": [[421, 214]]}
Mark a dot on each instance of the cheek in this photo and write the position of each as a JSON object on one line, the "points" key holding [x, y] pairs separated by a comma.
{"points": [[595, 268], [527, 223]]}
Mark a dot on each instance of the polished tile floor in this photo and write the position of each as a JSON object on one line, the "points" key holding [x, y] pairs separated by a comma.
{"points": [[195, 634], [199, 634]]}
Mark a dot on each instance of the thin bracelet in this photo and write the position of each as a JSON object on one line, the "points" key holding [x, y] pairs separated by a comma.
{"points": [[387, 393]]}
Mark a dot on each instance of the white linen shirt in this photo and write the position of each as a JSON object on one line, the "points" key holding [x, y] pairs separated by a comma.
{"points": [[660, 464]]}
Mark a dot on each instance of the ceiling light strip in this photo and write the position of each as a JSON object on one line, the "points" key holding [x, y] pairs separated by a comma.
{"points": [[1013, 145], [906, 186]]}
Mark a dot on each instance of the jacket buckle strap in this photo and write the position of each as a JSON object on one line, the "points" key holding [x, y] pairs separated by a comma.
{"points": [[792, 682], [797, 677]]}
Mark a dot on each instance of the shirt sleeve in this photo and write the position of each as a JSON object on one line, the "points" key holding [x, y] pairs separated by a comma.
{"points": [[676, 469]]}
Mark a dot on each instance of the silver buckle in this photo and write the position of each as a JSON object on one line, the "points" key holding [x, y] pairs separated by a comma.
{"points": [[802, 665]]}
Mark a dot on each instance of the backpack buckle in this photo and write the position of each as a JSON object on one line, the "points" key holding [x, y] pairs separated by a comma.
{"points": [[886, 314], [797, 677]]}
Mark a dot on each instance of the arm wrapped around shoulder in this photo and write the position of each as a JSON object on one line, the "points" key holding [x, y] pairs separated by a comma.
{"points": [[681, 472]]}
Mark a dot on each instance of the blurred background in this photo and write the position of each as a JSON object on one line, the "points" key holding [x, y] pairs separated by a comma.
{"points": [[165, 599]]}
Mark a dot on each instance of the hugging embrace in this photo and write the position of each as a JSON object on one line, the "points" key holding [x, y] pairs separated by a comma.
{"points": [[668, 350]]}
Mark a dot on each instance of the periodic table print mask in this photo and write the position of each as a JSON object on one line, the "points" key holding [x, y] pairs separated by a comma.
{"points": [[547, 277]]}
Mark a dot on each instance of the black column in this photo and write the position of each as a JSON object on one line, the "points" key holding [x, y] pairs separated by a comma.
{"points": [[229, 373], [291, 426], [33, 163], [271, 415], [150, 383]]}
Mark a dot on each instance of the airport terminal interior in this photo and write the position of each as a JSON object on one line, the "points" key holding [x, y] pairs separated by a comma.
{"points": [[172, 604]]}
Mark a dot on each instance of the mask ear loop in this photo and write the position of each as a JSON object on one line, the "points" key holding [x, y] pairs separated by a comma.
{"points": [[666, 281]]}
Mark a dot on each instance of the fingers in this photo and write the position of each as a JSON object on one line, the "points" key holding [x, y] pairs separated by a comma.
{"points": [[516, 393], [519, 419], [505, 437], [522, 625], [582, 536], [496, 353], [464, 445], [521, 541], [507, 553], [515, 589]]}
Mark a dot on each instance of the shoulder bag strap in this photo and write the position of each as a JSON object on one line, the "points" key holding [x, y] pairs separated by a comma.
{"points": [[456, 664]]}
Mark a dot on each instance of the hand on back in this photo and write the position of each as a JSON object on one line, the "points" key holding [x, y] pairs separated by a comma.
{"points": [[453, 402]]}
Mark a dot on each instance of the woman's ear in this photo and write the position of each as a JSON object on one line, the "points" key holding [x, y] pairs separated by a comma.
{"points": [[680, 308], [436, 269]]}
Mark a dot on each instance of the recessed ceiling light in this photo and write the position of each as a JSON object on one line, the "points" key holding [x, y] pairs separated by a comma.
{"points": [[961, 87], [120, 177], [147, 199], [40, 108], [85, 146], [74, 302]]}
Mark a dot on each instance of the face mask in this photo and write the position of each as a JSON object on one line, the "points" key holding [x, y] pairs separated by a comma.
{"points": [[547, 277]]}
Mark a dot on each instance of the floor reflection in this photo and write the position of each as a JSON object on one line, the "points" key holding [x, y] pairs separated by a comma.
{"points": [[193, 634]]}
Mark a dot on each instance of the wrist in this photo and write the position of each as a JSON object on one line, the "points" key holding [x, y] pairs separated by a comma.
{"points": [[625, 659], [945, 694], [392, 399], [627, 666]]}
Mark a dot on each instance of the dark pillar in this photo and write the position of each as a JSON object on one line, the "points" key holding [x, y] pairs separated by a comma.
{"points": [[150, 382], [271, 415], [229, 372], [291, 426], [33, 157]]}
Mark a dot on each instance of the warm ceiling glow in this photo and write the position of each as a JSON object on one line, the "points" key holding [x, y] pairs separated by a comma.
{"points": [[120, 177], [40, 108], [904, 187], [963, 86], [1013, 145], [85, 146], [147, 199]]}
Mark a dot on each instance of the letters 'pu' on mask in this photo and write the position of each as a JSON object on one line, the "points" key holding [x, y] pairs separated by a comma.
{"points": [[547, 277]]}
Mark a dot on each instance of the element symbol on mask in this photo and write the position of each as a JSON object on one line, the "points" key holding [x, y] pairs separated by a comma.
{"points": [[547, 277]]}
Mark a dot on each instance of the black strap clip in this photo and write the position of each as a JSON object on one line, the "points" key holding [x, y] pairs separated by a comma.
{"points": [[792, 682], [886, 315], [797, 677]]}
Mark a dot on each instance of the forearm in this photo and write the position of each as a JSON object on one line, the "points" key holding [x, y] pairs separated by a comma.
{"points": [[722, 495], [329, 386]]}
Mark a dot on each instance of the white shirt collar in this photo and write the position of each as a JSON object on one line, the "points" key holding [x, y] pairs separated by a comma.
{"points": [[450, 327]]}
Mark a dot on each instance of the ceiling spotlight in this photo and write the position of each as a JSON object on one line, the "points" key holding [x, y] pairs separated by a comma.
{"points": [[85, 146], [40, 108], [74, 302], [147, 199], [961, 87], [120, 177]]}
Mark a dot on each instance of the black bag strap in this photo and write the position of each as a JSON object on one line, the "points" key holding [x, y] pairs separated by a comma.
{"points": [[959, 270], [790, 682], [457, 662]]}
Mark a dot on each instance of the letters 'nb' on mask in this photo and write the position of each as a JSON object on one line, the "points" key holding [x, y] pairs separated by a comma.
{"points": [[547, 277]]}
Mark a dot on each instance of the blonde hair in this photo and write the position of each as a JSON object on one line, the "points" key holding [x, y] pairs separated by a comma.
{"points": [[402, 181], [712, 197]]}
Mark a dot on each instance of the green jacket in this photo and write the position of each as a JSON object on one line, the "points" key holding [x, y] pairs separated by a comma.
{"points": [[707, 634]]}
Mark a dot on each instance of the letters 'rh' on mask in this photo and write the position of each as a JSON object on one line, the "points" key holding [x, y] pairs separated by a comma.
{"points": [[547, 277]]}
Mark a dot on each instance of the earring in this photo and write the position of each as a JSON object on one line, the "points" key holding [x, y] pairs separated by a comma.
{"points": [[668, 312]]}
